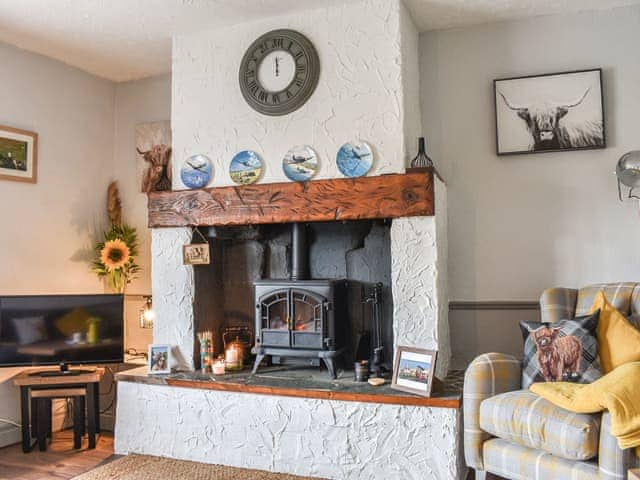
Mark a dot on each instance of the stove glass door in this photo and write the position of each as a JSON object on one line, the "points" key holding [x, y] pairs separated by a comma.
{"points": [[307, 319], [274, 312]]}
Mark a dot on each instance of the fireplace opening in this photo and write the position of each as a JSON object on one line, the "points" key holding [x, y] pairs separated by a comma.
{"points": [[297, 288]]}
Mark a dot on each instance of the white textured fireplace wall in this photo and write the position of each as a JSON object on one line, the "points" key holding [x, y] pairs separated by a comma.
{"points": [[319, 438], [368, 90], [418, 270]]}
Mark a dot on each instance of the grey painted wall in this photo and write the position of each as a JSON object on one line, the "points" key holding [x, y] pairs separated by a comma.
{"points": [[520, 224]]}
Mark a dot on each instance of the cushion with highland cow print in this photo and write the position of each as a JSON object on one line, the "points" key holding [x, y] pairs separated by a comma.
{"points": [[564, 351]]}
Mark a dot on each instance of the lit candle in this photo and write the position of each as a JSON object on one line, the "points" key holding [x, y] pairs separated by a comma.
{"points": [[218, 367], [233, 357]]}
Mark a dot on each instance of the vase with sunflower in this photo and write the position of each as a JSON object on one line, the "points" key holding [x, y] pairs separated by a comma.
{"points": [[115, 257]]}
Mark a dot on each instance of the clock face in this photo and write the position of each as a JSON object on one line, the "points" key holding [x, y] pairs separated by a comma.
{"points": [[279, 72]]}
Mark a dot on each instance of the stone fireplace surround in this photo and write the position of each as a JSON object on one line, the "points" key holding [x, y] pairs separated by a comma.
{"points": [[305, 436]]}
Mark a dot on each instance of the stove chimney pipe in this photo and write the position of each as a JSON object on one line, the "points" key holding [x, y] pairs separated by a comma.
{"points": [[299, 252]]}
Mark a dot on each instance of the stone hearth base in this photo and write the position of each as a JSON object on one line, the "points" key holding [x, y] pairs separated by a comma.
{"points": [[313, 437]]}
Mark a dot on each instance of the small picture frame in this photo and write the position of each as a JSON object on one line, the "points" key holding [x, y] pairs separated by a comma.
{"points": [[413, 370], [196, 254], [18, 155], [159, 359]]}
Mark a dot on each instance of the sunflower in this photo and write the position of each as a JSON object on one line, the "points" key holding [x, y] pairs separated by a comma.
{"points": [[115, 254]]}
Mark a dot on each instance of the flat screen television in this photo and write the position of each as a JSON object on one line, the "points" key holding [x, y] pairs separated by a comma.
{"points": [[61, 330]]}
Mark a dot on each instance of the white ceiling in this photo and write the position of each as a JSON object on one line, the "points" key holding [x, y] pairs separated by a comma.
{"points": [[128, 39]]}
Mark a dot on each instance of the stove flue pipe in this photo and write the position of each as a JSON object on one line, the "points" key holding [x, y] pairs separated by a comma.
{"points": [[299, 252]]}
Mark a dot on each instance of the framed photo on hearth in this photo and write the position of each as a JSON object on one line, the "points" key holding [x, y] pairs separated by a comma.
{"points": [[554, 112], [159, 359], [413, 370], [18, 155]]}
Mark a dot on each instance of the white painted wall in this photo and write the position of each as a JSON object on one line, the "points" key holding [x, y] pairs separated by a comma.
{"points": [[47, 227], [86, 129], [360, 93], [137, 102], [520, 224]]}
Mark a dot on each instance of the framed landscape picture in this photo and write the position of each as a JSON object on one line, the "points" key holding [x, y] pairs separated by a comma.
{"points": [[18, 155], [413, 370], [549, 113]]}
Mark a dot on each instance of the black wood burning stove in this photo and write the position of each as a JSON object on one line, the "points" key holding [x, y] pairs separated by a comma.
{"points": [[300, 318]]}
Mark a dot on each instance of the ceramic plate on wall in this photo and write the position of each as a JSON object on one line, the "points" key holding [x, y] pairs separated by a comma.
{"points": [[196, 171], [300, 163], [354, 159], [245, 167]]}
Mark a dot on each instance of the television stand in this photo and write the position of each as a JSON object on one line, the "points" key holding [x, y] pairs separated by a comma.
{"points": [[63, 384]]}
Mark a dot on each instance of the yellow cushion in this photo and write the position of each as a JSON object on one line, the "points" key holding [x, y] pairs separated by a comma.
{"points": [[73, 321], [618, 340]]}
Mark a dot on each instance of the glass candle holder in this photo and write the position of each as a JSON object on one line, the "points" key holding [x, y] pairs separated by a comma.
{"points": [[218, 366], [233, 356]]}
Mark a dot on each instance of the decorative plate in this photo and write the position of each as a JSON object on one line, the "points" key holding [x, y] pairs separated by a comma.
{"points": [[245, 167], [300, 163], [354, 159], [196, 171]]}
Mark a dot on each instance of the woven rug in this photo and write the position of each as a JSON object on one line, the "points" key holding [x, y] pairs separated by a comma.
{"points": [[143, 467]]}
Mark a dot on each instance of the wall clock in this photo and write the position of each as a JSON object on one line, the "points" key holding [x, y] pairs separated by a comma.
{"points": [[279, 72]]}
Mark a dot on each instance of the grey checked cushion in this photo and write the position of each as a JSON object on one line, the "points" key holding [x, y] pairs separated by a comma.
{"points": [[566, 350]]}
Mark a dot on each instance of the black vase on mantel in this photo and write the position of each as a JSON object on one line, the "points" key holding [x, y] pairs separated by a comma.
{"points": [[422, 160]]}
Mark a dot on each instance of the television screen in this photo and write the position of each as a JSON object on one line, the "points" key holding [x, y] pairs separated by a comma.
{"points": [[54, 329]]}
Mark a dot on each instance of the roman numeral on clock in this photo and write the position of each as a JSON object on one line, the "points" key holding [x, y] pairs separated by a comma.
{"points": [[253, 87]]}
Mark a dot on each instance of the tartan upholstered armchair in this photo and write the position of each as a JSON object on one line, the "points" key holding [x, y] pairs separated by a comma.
{"points": [[517, 435]]}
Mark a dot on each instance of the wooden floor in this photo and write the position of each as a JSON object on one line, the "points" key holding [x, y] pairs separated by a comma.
{"points": [[60, 461]]}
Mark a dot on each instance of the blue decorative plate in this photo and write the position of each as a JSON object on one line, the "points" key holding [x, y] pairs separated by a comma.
{"points": [[300, 163], [196, 171], [354, 159], [245, 167]]}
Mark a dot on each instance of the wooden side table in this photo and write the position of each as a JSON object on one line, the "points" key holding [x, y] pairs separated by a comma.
{"points": [[30, 382], [634, 474]]}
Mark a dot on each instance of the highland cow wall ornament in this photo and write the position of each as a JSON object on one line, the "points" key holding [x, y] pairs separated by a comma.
{"points": [[549, 113], [153, 147]]}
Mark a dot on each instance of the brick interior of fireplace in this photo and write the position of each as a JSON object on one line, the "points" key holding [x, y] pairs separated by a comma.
{"points": [[356, 250]]}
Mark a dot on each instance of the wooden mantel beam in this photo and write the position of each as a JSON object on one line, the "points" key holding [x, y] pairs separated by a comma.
{"points": [[385, 196]]}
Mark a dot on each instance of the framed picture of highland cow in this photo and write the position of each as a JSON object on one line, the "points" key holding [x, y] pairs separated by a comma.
{"points": [[554, 112], [153, 152], [18, 155]]}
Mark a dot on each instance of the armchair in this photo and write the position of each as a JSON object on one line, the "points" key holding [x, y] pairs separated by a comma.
{"points": [[517, 435]]}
